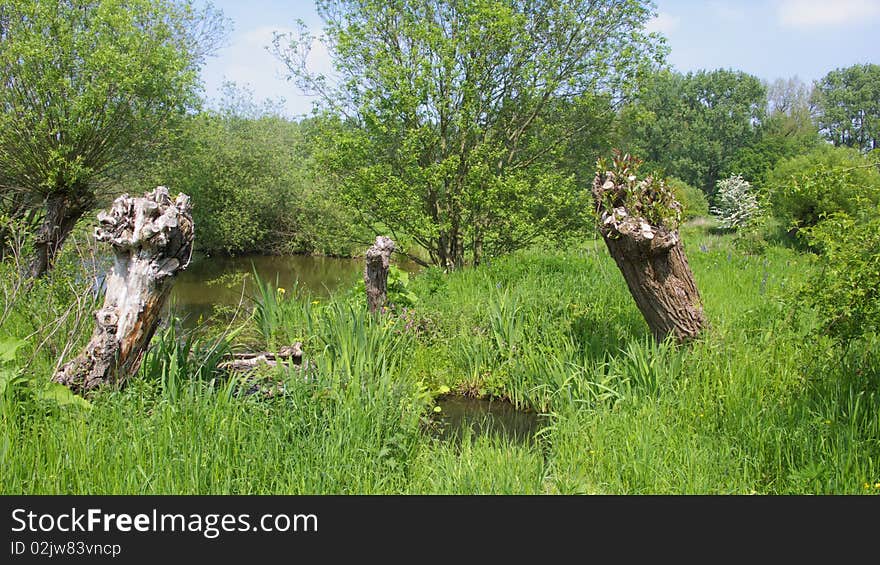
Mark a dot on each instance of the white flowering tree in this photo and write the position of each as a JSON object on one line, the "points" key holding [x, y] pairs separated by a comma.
{"points": [[736, 202]]}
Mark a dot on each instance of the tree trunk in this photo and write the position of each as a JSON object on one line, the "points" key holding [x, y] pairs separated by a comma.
{"points": [[656, 270], [58, 222], [152, 241], [376, 272]]}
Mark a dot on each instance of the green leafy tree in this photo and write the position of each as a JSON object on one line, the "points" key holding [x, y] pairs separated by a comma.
{"points": [[848, 106], [455, 112], [86, 89], [692, 126], [845, 289]]}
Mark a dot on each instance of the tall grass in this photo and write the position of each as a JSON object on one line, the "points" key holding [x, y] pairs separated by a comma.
{"points": [[758, 405]]}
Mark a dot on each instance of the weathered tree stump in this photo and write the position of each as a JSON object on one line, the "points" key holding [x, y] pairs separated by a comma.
{"points": [[152, 239], [648, 253], [376, 272]]}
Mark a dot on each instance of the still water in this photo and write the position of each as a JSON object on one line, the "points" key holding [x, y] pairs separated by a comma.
{"points": [[477, 416], [209, 282]]}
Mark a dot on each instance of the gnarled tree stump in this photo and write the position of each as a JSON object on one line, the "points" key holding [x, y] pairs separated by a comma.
{"points": [[376, 271], [650, 256], [152, 238]]}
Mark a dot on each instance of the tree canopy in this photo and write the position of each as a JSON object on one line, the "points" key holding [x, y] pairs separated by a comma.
{"points": [[255, 188], [786, 131], [453, 110], [693, 125], [86, 88], [848, 106]]}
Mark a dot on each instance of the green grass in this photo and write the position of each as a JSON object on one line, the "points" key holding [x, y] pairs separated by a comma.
{"points": [[759, 405]]}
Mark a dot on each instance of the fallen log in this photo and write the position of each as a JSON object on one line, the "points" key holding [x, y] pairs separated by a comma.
{"points": [[152, 238], [288, 355]]}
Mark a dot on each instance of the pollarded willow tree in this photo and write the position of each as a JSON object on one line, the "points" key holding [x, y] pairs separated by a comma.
{"points": [[86, 88], [638, 219], [454, 116]]}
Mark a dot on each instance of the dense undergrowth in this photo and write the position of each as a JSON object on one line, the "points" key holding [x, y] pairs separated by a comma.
{"points": [[764, 403]]}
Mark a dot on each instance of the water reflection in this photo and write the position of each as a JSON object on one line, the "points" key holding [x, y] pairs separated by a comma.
{"points": [[212, 281], [484, 417]]}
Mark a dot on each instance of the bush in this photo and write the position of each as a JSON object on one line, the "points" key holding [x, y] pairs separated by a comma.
{"points": [[737, 203], [845, 290], [254, 185], [803, 190], [693, 201]]}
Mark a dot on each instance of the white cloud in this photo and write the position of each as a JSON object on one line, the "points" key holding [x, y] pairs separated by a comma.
{"points": [[816, 13], [664, 23], [319, 58]]}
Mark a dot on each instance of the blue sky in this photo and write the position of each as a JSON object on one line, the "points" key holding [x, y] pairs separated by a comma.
{"points": [[768, 38]]}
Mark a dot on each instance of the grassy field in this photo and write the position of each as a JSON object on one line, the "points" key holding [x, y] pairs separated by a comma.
{"points": [[762, 404]]}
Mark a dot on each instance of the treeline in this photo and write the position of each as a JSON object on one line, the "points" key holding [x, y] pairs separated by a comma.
{"points": [[255, 183], [270, 184], [466, 130]]}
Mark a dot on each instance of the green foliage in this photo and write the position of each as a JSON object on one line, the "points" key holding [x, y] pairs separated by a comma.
{"points": [[254, 184], [460, 141], [399, 290], [8, 375], [737, 203], [694, 203], [848, 102], [18, 386], [803, 190], [693, 126], [87, 90], [282, 315], [788, 131], [649, 198], [845, 288]]}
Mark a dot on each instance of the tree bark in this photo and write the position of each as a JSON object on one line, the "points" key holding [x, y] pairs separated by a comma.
{"points": [[376, 272], [152, 239], [655, 268], [59, 220]]}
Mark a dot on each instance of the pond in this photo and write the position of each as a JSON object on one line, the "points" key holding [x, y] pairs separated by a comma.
{"points": [[210, 282], [482, 416]]}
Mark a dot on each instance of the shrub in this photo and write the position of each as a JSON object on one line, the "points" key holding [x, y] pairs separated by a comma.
{"points": [[254, 184], [693, 201], [737, 203], [845, 290], [804, 189]]}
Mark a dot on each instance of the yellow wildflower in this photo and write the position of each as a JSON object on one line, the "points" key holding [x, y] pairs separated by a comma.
{"points": [[281, 290]]}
